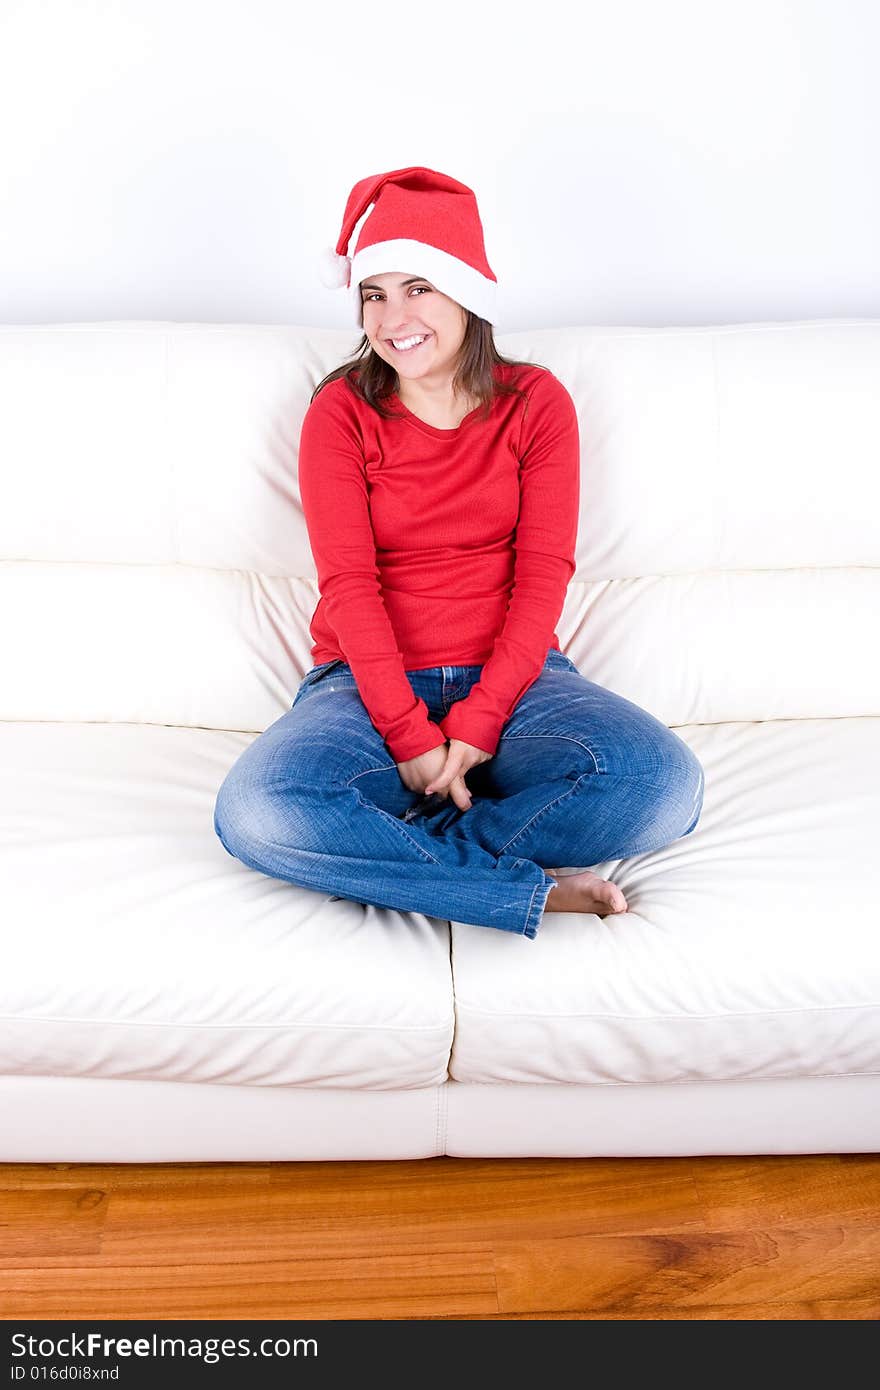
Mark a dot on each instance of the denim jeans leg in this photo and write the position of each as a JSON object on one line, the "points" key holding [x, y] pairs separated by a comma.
{"points": [[580, 776], [317, 800]]}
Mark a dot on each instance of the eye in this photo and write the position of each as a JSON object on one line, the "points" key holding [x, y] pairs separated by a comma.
{"points": [[368, 297]]}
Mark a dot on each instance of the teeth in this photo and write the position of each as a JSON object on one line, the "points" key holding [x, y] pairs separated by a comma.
{"points": [[403, 343]]}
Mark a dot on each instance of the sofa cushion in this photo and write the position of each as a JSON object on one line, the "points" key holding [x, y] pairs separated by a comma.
{"points": [[137, 947], [750, 948], [729, 496]]}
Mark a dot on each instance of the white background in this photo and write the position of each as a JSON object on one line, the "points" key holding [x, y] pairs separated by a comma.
{"points": [[634, 162]]}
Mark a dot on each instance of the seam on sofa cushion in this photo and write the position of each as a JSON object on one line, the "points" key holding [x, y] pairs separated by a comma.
{"points": [[176, 1023], [667, 1018]]}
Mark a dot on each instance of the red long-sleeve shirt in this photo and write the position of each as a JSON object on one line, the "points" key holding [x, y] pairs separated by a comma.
{"points": [[441, 547]]}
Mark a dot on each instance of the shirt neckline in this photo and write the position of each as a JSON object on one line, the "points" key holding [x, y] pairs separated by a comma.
{"points": [[434, 430]]}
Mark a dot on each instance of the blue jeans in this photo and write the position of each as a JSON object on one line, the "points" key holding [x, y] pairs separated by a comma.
{"points": [[580, 776]]}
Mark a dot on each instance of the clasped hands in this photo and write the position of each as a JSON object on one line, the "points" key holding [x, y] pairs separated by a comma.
{"points": [[442, 771]]}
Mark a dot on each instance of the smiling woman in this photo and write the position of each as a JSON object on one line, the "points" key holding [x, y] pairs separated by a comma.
{"points": [[420, 331], [447, 294], [440, 484]]}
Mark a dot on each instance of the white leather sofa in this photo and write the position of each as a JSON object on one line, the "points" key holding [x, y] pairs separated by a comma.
{"points": [[161, 1001]]}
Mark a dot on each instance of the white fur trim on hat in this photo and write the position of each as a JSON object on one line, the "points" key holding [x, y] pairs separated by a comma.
{"points": [[451, 276]]}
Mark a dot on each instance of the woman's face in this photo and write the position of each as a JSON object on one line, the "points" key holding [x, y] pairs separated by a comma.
{"points": [[401, 306]]}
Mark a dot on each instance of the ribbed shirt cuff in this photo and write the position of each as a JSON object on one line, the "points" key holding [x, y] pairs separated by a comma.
{"points": [[405, 746], [480, 730]]}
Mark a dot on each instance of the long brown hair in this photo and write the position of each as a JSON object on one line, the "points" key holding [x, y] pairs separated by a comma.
{"points": [[374, 379]]}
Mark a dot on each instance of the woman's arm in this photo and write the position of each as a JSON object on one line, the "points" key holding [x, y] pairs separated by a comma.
{"points": [[545, 541], [333, 488]]}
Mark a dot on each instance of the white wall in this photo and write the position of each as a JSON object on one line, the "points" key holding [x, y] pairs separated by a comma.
{"points": [[635, 161]]}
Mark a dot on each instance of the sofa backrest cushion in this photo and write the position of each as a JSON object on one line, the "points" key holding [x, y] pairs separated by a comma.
{"points": [[157, 565]]}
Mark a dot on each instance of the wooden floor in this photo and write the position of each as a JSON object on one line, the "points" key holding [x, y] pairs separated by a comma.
{"points": [[695, 1238]]}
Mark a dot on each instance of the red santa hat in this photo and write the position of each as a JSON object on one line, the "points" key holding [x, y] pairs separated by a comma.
{"points": [[422, 222]]}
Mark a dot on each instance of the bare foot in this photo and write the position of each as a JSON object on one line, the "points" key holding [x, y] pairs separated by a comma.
{"points": [[584, 892]]}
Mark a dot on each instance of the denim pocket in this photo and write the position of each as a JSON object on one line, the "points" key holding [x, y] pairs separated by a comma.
{"points": [[317, 674], [557, 661]]}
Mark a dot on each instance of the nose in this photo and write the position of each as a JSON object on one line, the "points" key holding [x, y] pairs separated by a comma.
{"points": [[405, 329]]}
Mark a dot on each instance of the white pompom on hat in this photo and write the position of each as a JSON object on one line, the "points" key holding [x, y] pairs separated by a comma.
{"points": [[423, 222], [333, 270]]}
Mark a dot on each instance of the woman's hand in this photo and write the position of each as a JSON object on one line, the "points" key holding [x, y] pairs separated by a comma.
{"points": [[460, 758], [416, 773], [442, 770]]}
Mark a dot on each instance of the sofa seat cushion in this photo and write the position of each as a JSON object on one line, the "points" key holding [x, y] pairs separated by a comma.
{"points": [[137, 947], [750, 948]]}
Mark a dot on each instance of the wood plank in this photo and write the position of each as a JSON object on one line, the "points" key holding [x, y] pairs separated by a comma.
{"points": [[396, 1285], [307, 1209], [721, 1268], [44, 1223], [20, 1177], [752, 1192], [828, 1309]]}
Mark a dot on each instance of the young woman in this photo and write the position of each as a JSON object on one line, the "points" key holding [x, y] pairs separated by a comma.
{"points": [[442, 755]]}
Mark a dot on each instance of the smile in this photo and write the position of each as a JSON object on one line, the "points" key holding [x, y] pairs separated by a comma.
{"points": [[414, 348]]}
